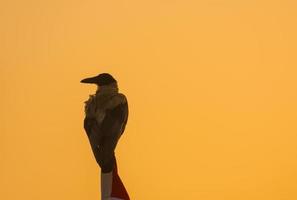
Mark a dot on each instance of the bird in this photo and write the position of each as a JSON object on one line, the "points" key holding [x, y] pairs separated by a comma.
{"points": [[106, 116]]}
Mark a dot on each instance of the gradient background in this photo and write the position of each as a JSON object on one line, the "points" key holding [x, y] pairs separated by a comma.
{"points": [[211, 86]]}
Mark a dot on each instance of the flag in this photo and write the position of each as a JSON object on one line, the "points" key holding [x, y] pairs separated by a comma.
{"points": [[112, 187]]}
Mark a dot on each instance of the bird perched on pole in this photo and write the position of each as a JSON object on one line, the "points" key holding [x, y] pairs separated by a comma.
{"points": [[106, 115]]}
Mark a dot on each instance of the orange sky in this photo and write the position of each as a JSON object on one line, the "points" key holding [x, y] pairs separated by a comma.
{"points": [[211, 86]]}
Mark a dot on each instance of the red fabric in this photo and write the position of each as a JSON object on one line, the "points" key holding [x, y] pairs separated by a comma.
{"points": [[118, 188]]}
